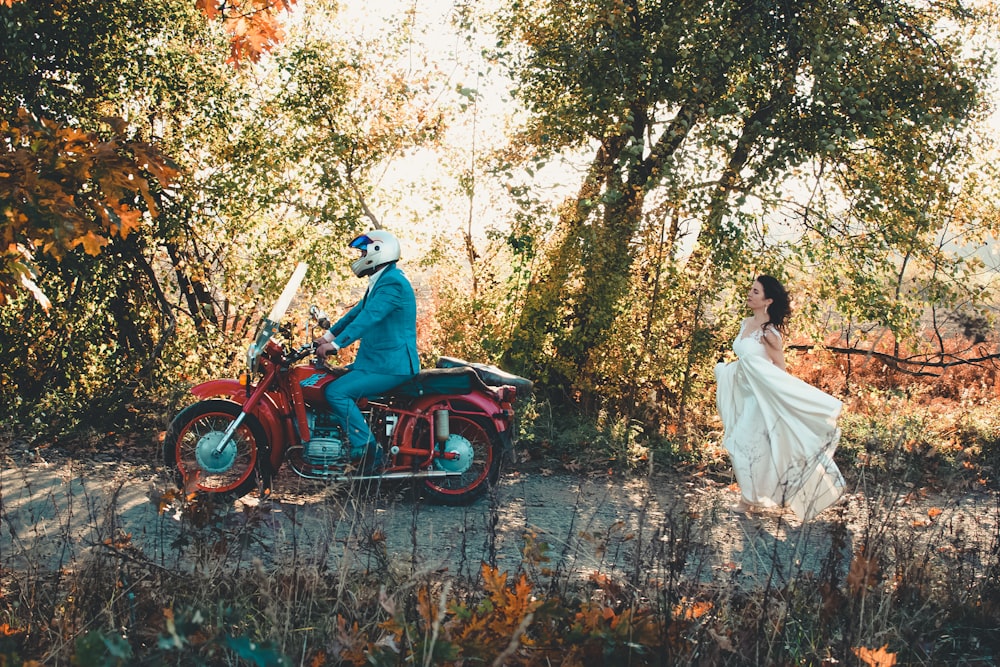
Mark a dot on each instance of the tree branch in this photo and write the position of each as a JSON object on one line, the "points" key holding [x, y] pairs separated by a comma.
{"points": [[902, 364]]}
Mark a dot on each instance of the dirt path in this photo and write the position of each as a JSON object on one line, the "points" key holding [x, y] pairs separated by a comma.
{"points": [[634, 528]]}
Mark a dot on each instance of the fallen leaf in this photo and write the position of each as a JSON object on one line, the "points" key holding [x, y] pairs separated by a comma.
{"points": [[875, 657], [725, 643], [386, 602], [692, 611], [862, 574]]}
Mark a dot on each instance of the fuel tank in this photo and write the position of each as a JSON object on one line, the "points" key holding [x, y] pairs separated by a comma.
{"points": [[313, 380]]}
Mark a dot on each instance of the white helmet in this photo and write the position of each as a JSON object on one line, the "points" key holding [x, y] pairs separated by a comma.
{"points": [[377, 247]]}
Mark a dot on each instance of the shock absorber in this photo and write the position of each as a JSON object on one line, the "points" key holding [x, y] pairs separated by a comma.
{"points": [[442, 425]]}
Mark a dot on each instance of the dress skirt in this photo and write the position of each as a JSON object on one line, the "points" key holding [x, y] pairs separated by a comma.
{"points": [[780, 433]]}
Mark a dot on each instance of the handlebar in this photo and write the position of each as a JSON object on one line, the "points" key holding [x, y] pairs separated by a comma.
{"points": [[300, 353]]}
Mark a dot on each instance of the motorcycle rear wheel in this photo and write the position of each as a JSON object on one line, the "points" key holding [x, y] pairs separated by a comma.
{"points": [[487, 451], [189, 445]]}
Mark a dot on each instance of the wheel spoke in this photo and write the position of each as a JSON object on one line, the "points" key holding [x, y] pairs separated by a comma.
{"points": [[192, 445], [483, 469]]}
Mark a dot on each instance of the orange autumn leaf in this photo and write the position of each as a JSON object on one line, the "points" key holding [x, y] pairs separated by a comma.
{"points": [[494, 580], [209, 7], [426, 608], [875, 657], [253, 25], [128, 220], [33, 289], [148, 158], [862, 574], [92, 243], [934, 512], [601, 579], [252, 36], [70, 188], [692, 611]]}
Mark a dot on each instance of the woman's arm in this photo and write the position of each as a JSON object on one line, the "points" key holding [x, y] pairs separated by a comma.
{"points": [[774, 347]]}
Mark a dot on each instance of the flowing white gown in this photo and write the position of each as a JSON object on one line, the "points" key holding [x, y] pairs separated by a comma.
{"points": [[780, 432]]}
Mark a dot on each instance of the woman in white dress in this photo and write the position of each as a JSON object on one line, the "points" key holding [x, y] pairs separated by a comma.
{"points": [[780, 432]]}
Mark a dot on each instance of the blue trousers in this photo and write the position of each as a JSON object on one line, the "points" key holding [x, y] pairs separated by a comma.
{"points": [[343, 393]]}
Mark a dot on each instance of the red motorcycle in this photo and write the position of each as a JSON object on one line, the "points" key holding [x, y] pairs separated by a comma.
{"points": [[449, 427]]}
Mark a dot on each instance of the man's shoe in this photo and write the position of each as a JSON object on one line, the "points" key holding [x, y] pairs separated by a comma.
{"points": [[371, 462]]}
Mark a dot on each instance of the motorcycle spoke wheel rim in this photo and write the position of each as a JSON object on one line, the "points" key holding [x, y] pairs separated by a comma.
{"points": [[482, 459], [198, 436]]}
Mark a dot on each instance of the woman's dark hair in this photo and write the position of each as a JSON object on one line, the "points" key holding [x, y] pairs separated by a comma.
{"points": [[780, 308]]}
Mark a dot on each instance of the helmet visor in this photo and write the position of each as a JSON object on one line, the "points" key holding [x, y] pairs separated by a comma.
{"points": [[361, 242]]}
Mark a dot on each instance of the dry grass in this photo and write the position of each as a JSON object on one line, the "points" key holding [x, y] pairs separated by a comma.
{"points": [[895, 573], [905, 571]]}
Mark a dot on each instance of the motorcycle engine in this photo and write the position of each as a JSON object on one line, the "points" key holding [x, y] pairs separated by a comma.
{"points": [[326, 448]]}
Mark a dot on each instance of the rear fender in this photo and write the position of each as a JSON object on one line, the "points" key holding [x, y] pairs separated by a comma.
{"points": [[278, 430], [477, 402]]}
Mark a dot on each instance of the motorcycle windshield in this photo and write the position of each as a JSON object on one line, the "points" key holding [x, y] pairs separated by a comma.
{"points": [[287, 294], [270, 323]]}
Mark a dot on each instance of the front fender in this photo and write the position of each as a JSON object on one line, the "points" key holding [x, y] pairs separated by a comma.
{"points": [[266, 412], [227, 388]]}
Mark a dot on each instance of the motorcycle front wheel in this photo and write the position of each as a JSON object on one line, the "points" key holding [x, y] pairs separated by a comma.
{"points": [[191, 449], [478, 441]]}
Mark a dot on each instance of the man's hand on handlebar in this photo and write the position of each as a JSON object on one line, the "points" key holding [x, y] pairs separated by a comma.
{"points": [[325, 348]]}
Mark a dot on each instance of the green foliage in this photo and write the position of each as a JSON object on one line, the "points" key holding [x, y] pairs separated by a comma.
{"points": [[920, 443], [473, 303], [79, 60], [262, 655], [81, 63], [552, 432], [277, 162], [85, 356], [99, 649], [703, 112]]}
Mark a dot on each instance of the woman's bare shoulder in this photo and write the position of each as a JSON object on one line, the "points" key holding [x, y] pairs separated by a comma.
{"points": [[771, 334]]}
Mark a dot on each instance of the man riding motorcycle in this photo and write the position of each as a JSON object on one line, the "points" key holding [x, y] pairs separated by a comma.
{"points": [[385, 321]]}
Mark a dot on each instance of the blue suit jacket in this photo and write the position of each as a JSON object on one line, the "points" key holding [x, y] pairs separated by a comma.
{"points": [[385, 321]]}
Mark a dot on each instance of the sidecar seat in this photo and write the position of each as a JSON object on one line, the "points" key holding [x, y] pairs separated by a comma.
{"points": [[489, 374]]}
